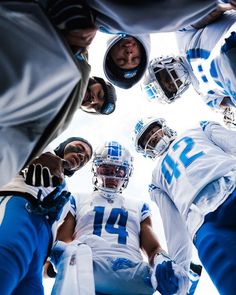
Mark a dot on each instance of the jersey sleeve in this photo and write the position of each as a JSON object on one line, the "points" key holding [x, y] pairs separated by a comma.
{"points": [[220, 136], [214, 99], [145, 211], [73, 205], [177, 237]]}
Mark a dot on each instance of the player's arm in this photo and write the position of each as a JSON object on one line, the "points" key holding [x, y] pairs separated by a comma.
{"points": [[167, 276], [149, 242], [220, 136], [66, 229], [177, 237], [214, 15], [65, 234]]}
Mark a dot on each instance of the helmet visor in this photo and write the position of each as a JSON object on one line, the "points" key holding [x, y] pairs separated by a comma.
{"points": [[117, 171]]}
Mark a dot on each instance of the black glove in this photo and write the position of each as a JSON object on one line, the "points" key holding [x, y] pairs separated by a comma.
{"points": [[46, 170], [37, 175]]}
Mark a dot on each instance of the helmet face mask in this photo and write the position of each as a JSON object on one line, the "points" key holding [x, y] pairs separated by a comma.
{"points": [[166, 79], [112, 167], [153, 137]]}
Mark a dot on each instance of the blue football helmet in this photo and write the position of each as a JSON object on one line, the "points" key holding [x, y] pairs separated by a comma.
{"points": [[157, 142], [166, 79], [112, 167]]}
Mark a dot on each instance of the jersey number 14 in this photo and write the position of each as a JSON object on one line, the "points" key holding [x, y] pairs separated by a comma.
{"points": [[115, 224]]}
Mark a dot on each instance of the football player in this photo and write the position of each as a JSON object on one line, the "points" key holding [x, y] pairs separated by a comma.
{"points": [[194, 186], [206, 60], [29, 206], [115, 227]]}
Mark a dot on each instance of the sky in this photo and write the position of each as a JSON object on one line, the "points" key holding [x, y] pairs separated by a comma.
{"points": [[132, 105]]}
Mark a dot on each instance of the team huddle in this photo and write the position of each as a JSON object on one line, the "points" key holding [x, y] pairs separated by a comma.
{"points": [[104, 242]]}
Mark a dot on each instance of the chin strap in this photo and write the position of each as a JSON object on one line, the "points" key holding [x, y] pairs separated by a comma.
{"points": [[108, 195]]}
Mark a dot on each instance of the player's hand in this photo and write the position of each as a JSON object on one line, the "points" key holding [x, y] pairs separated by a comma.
{"points": [[168, 278], [46, 170], [56, 252], [52, 205]]}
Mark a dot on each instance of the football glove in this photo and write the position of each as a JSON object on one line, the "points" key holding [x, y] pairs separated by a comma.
{"points": [[56, 252], [46, 170], [168, 277], [52, 205]]}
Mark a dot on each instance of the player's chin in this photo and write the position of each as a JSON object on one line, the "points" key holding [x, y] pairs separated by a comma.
{"points": [[111, 184]]}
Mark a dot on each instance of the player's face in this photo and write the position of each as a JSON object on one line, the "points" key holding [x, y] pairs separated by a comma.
{"points": [[77, 154], [169, 84], [111, 174], [152, 137], [126, 54], [93, 99]]}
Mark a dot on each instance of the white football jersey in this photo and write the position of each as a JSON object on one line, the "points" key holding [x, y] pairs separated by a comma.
{"points": [[110, 228], [212, 68], [193, 161]]}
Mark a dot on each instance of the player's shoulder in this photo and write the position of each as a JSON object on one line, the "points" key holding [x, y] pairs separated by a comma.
{"points": [[142, 206], [81, 197]]}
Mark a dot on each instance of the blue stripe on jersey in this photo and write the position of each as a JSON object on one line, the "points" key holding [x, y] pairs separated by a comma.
{"points": [[219, 83], [211, 92], [151, 187], [200, 69], [73, 204], [197, 53], [212, 103], [114, 150], [204, 79], [145, 209], [203, 124], [213, 70]]}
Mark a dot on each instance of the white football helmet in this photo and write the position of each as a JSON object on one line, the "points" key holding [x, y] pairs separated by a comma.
{"points": [[112, 167], [152, 147], [166, 79]]}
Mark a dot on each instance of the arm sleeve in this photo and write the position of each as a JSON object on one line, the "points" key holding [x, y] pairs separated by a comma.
{"points": [[220, 136], [177, 237]]}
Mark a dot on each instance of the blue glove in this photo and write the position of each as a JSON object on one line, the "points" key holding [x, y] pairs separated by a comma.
{"points": [[168, 278], [52, 205], [56, 252], [167, 281]]}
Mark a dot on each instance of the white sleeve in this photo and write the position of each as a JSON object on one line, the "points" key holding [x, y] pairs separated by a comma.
{"points": [[178, 240], [214, 100], [220, 136]]}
